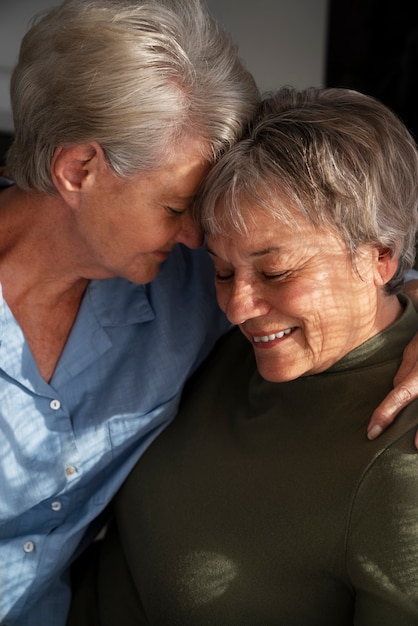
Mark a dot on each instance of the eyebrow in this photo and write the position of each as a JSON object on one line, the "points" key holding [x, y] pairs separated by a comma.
{"points": [[265, 251], [257, 253]]}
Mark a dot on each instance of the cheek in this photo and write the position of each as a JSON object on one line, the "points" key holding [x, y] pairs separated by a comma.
{"points": [[296, 298], [222, 296], [151, 234], [315, 296], [308, 306], [328, 323]]}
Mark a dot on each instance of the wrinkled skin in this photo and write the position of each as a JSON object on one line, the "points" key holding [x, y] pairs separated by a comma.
{"points": [[405, 382]]}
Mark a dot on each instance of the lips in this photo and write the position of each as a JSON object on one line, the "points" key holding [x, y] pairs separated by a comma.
{"points": [[162, 254], [272, 336]]}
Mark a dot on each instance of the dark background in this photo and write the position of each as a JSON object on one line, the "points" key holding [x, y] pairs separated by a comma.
{"points": [[5, 140], [372, 46]]}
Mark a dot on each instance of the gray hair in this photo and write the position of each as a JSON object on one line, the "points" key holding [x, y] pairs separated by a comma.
{"points": [[338, 158], [135, 76]]}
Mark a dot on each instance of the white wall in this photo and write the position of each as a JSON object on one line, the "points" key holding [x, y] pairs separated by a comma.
{"points": [[281, 41], [14, 18]]}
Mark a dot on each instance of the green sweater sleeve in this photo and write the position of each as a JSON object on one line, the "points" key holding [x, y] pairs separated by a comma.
{"points": [[382, 539]]}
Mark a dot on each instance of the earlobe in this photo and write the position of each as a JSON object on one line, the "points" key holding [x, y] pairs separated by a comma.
{"points": [[386, 266], [74, 168]]}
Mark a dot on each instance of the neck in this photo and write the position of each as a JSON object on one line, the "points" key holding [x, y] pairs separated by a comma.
{"points": [[35, 248], [389, 310]]}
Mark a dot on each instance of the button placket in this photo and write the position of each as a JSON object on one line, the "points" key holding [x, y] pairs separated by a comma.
{"points": [[70, 470]]}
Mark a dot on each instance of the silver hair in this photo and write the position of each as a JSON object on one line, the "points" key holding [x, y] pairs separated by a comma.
{"points": [[333, 156], [134, 76]]}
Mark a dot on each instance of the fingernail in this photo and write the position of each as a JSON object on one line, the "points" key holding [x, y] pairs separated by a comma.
{"points": [[374, 432]]}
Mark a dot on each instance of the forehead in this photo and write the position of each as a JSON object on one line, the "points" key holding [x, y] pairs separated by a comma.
{"points": [[240, 205], [245, 224], [265, 235], [181, 171]]}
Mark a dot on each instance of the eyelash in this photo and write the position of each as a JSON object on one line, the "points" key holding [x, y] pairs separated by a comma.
{"points": [[267, 277], [279, 276], [174, 212], [223, 278]]}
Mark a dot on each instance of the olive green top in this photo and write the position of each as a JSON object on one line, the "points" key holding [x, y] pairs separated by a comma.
{"points": [[265, 504]]}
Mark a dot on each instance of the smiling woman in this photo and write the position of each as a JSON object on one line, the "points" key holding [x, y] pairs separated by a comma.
{"points": [[297, 315], [310, 223]]}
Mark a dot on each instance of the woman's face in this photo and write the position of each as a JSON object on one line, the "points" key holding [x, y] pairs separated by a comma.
{"points": [[297, 297], [127, 227]]}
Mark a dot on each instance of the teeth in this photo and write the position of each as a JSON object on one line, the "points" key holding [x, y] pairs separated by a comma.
{"points": [[266, 338]]}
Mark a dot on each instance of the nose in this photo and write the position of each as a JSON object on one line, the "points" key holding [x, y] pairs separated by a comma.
{"points": [[190, 233], [242, 302]]}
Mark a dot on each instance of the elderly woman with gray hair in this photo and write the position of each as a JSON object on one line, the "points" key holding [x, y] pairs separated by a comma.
{"points": [[264, 502]]}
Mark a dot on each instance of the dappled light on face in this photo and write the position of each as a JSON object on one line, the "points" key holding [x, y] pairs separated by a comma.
{"points": [[305, 301]]}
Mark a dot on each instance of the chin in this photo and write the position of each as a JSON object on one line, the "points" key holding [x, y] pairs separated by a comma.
{"points": [[279, 377], [140, 278], [280, 374]]}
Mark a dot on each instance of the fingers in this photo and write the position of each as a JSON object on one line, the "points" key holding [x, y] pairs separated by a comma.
{"points": [[405, 390], [409, 362], [395, 401]]}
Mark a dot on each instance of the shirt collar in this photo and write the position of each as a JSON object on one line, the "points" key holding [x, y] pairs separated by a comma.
{"points": [[5, 182], [118, 302]]}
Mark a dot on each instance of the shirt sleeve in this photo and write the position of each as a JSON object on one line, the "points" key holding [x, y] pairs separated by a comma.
{"points": [[382, 539]]}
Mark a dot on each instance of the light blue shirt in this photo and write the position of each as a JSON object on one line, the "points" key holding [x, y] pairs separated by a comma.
{"points": [[65, 447]]}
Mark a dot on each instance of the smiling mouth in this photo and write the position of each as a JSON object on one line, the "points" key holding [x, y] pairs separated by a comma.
{"points": [[272, 337]]}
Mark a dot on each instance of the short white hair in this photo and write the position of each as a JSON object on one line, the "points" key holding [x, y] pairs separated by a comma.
{"points": [[134, 76]]}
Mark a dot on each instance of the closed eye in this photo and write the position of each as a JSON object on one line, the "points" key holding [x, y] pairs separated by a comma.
{"points": [[175, 212], [276, 276], [223, 277]]}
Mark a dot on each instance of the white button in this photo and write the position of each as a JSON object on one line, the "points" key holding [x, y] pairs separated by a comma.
{"points": [[56, 506], [29, 546], [55, 405], [70, 470]]}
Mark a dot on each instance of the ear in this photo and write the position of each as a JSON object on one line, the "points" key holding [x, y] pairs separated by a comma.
{"points": [[75, 168], [385, 266]]}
